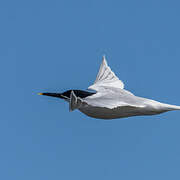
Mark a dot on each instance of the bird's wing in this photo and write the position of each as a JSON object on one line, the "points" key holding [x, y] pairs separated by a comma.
{"points": [[111, 99], [74, 102], [106, 78]]}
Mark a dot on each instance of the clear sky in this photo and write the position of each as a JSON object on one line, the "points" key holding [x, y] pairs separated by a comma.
{"points": [[53, 46]]}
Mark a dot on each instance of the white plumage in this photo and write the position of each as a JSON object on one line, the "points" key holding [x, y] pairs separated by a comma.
{"points": [[111, 100]]}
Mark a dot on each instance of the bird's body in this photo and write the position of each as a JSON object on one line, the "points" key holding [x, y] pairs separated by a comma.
{"points": [[143, 107], [111, 100]]}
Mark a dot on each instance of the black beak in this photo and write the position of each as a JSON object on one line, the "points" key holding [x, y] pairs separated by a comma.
{"points": [[57, 95]]}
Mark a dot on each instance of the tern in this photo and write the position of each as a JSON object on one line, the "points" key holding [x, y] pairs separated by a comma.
{"points": [[110, 100]]}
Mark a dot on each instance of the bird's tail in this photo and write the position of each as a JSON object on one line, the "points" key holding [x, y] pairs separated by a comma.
{"points": [[171, 107], [75, 102]]}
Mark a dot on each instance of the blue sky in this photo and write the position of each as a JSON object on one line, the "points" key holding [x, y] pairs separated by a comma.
{"points": [[58, 45]]}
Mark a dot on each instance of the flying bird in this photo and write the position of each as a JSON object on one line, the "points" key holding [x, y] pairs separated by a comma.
{"points": [[109, 99]]}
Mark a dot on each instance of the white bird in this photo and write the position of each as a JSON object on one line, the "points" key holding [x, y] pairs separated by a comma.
{"points": [[110, 100]]}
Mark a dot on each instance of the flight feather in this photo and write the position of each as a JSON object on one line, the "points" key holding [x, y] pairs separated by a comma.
{"points": [[106, 78]]}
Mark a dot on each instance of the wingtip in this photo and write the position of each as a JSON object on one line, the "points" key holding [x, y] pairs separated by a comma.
{"points": [[104, 59]]}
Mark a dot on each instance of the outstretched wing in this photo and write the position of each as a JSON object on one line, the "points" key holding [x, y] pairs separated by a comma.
{"points": [[114, 98], [106, 78], [75, 102]]}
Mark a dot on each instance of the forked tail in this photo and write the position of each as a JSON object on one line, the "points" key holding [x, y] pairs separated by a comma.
{"points": [[171, 107]]}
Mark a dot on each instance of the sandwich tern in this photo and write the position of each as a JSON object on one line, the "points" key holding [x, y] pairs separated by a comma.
{"points": [[110, 100]]}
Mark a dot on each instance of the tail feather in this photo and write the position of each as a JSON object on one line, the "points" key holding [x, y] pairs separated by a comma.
{"points": [[171, 107]]}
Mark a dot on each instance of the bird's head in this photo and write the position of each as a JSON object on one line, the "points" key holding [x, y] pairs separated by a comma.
{"points": [[67, 94]]}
